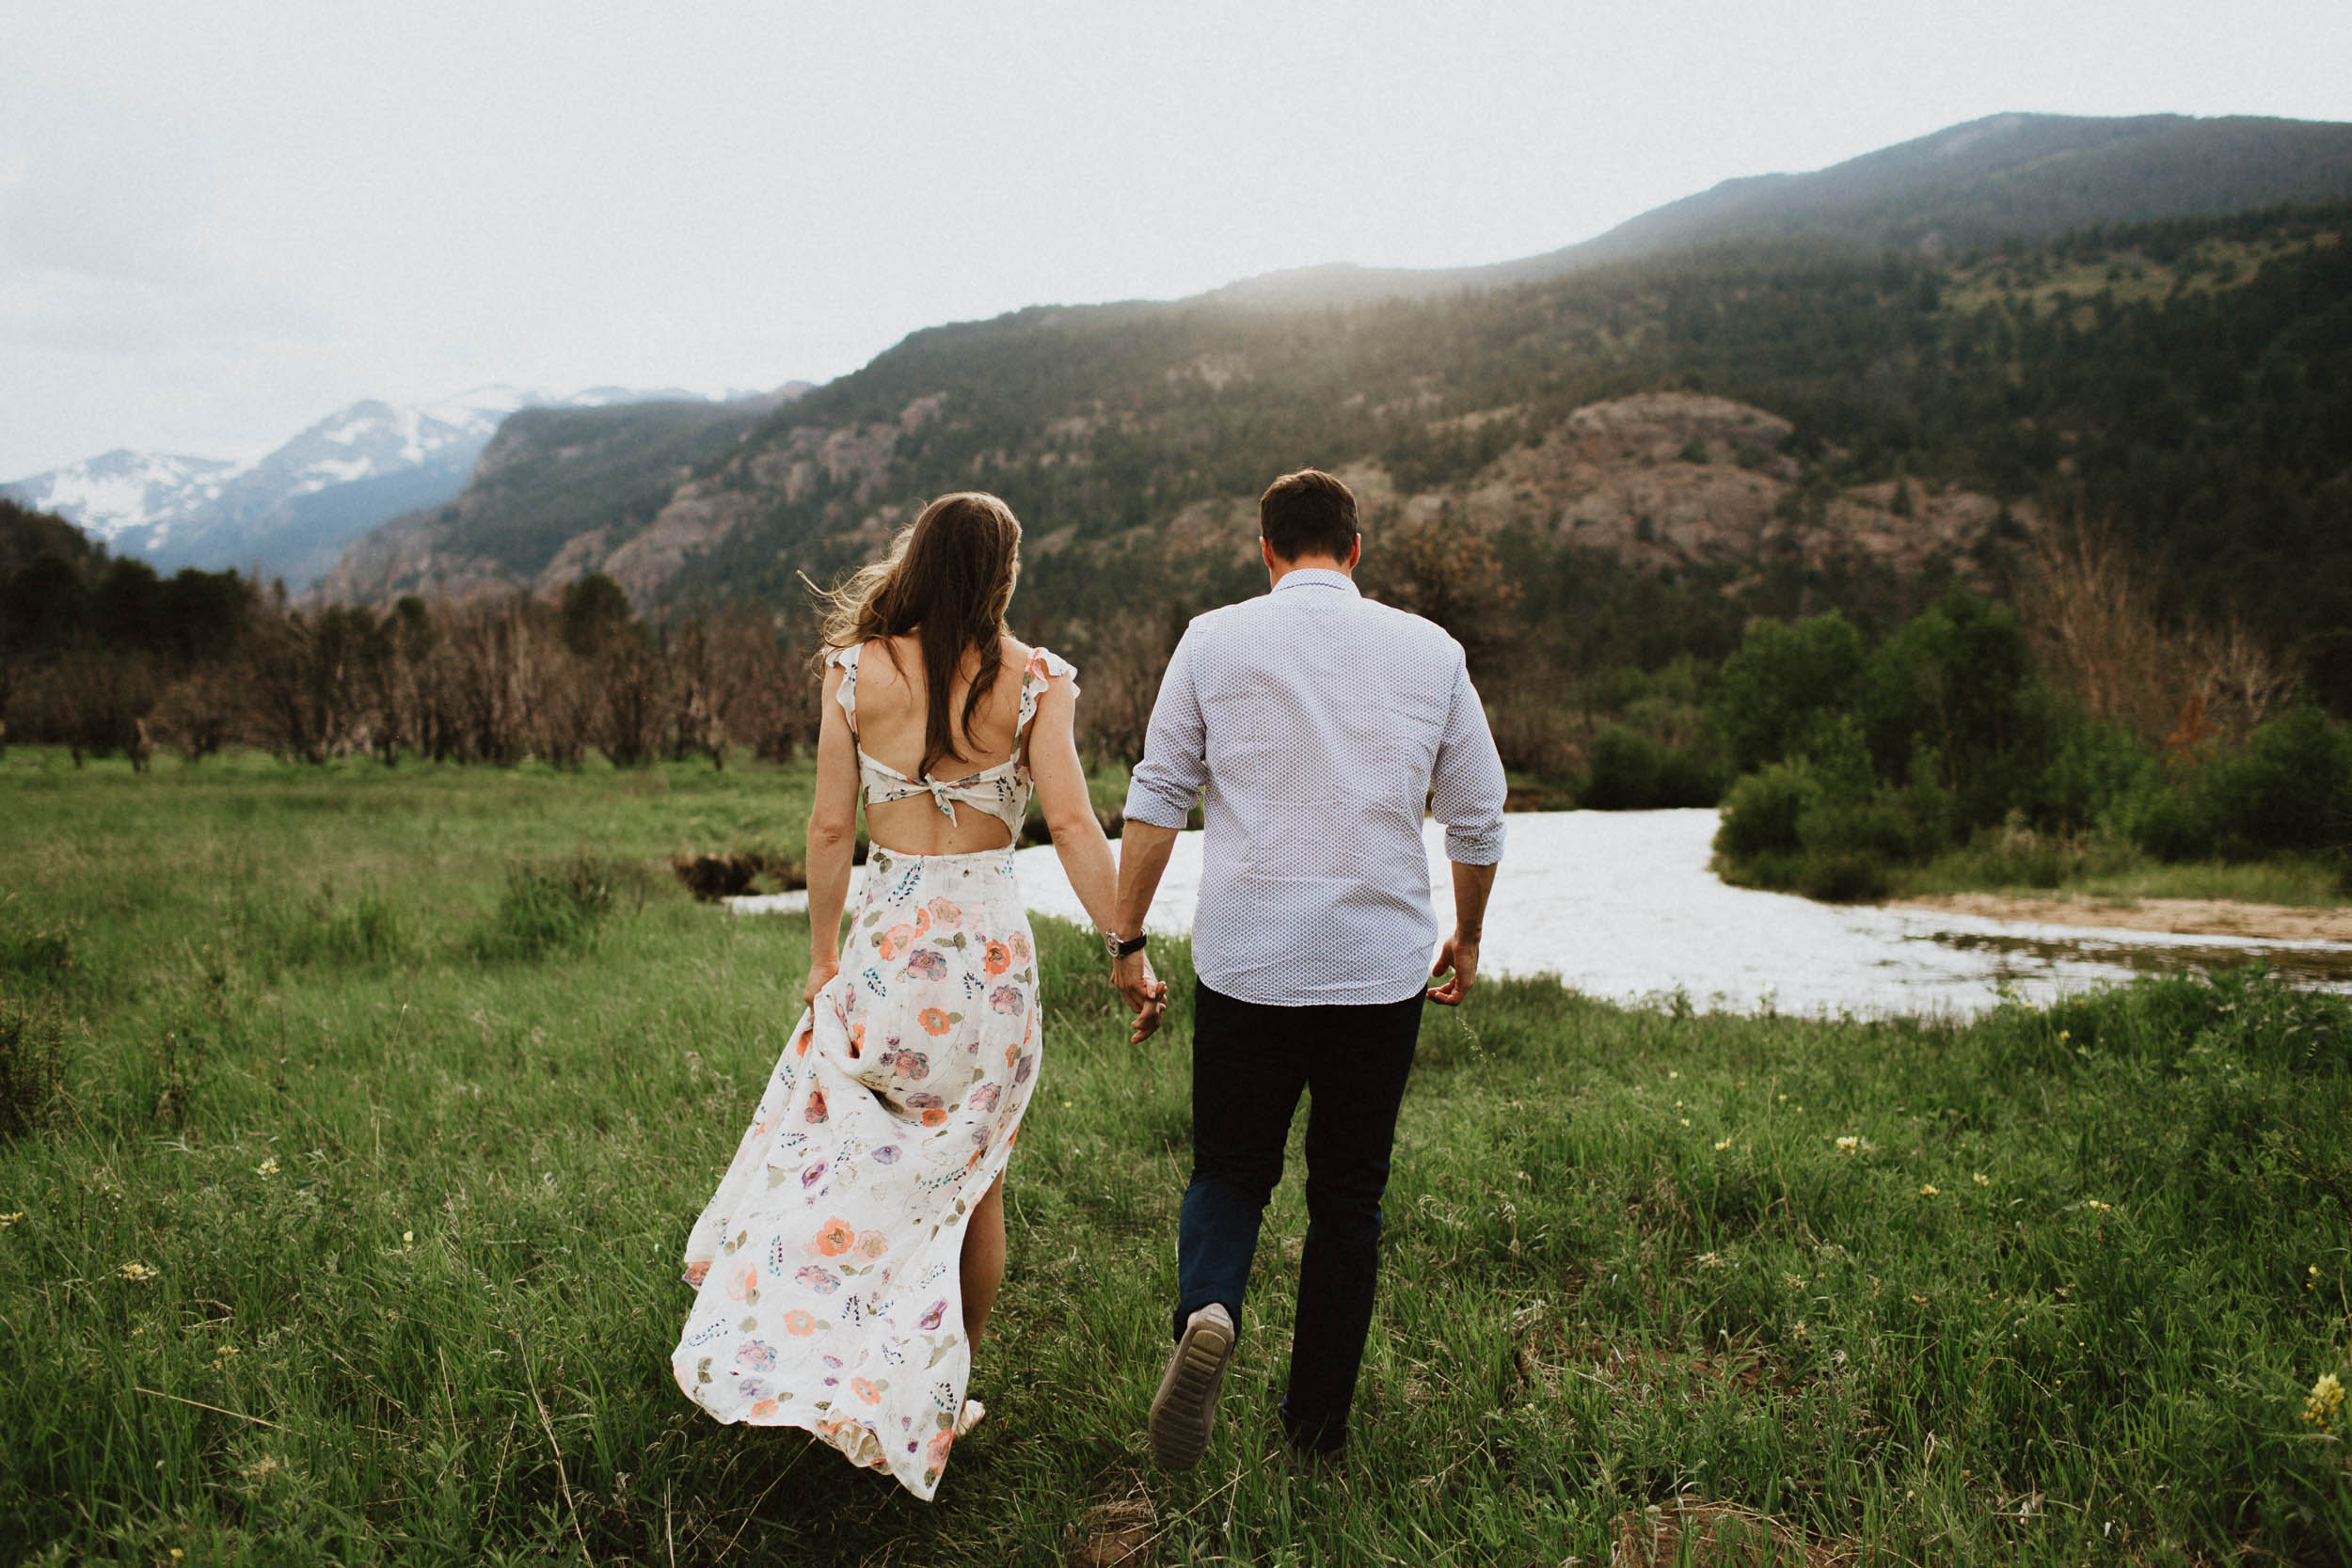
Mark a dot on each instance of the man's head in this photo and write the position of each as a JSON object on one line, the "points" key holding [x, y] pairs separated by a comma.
{"points": [[1308, 518]]}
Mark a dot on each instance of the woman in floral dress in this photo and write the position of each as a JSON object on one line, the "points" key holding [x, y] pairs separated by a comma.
{"points": [[845, 1266]]}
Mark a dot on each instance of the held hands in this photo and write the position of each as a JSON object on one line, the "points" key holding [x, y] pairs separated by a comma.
{"points": [[820, 973], [1144, 993], [1460, 956]]}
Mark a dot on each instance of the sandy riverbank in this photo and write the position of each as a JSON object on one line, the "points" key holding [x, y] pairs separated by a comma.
{"points": [[2179, 916]]}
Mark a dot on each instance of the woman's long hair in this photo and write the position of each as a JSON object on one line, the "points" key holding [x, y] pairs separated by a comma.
{"points": [[948, 581]]}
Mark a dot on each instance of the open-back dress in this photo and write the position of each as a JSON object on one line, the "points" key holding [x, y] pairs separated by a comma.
{"points": [[827, 1293]]}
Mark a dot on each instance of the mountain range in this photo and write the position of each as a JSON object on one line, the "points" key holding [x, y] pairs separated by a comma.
{"points": [[2005, 177], [290, 514], [2023, 317]]}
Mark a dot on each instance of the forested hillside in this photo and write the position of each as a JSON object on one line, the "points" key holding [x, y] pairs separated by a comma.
{"points": [[2187, 383], [2012, 176]]}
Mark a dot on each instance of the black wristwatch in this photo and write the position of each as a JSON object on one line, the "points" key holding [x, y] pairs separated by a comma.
{"points": [[1119, 947]]}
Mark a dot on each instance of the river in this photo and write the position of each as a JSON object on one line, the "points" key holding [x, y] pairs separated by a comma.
{"points": [[1622, 905]]}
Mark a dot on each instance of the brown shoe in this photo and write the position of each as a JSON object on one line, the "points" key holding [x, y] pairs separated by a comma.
{"points": [[1185, 1409]]}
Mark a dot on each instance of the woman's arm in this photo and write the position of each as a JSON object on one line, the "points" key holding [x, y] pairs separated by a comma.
{"points": [[1061, 793], [832, 838]]}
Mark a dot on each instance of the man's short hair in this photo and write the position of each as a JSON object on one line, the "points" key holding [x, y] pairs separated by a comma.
{"points": [[1307, 514]]}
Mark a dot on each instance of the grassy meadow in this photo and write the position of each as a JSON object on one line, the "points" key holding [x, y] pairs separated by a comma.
{"points": [[354, 1116], [2027, 863]]}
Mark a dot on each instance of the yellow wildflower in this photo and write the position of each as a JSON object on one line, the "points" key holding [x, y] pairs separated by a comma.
{"points": [[1722, 1145], [268, 1167], [1980, 1179], [2325, 1403], [1848, 1145], [138, 1274], [1928, 1189], [1684, 1121], [407, 1238], [7, 1220]]}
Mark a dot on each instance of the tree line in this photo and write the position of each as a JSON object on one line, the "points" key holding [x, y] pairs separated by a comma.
{"points": [[105, 657]]}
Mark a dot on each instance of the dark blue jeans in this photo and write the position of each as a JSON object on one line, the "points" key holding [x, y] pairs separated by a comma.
{"points": [[1249, 1062]]}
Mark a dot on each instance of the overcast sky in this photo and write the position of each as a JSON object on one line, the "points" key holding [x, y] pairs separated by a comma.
{"points": [[220, 221]]}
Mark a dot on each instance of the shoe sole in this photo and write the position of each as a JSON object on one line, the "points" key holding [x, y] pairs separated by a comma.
{"points": [[1185, 1408]]}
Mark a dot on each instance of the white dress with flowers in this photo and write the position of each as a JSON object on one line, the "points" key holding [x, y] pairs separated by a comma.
{"points": [[826, 1265]]}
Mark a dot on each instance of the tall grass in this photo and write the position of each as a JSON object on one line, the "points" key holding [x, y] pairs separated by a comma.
{"points": [[395, 1277], [2017, 859]]}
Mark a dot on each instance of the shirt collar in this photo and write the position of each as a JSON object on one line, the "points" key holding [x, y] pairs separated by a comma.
{"points": [[1317, 576]]}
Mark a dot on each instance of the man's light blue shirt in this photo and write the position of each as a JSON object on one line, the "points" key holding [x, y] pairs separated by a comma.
{"points": [[1322, 724]]}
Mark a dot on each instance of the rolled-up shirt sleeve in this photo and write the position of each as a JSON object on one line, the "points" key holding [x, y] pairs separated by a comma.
{"points": [[1466, 790], [1175, 765]]}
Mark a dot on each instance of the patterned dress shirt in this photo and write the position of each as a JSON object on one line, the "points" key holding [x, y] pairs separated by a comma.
{"points": [[1322, 724]]}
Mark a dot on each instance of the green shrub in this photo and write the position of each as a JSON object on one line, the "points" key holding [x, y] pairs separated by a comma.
{"points": [[42, 955], [1632, 771], [2290, 788], [2092, 767], [2167, 817], [548, 909], [1875, 827], [1762, 812], [1843, 877], [370, 934], [2015, 854], [32, 1067], [1775, 689]]}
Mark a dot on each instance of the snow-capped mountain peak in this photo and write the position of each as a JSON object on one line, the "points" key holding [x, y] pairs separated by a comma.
{"points": [[122, 490], [292, 511]]}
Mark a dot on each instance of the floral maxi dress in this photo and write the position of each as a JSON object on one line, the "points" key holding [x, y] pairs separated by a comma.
{"points": [[828, 1291]]}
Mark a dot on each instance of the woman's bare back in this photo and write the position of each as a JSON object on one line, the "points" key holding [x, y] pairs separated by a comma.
{"points": [[892, 698]]}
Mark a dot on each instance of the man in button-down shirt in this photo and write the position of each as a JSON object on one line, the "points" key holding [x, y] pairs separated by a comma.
{"points": [[1322, 725]]}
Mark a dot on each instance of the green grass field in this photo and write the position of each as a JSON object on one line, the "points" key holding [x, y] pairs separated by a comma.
{"points": [[2029, 863], [346, 1228]]}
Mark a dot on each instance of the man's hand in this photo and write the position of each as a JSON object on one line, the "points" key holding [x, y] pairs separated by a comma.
{"points": [[1144, 993], [821, 974], [1460, 956]]}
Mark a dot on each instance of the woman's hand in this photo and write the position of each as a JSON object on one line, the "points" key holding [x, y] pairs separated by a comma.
{"points": [[821, 974], [1144, 993]]}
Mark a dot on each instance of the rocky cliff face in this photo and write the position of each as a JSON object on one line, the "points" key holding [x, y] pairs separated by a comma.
{"points": [[559, 494], [1655, 482]]}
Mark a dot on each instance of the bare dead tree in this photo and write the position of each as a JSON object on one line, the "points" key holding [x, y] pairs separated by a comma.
{"points": [[1447, 571], [2093, 611], [1126, 654]]}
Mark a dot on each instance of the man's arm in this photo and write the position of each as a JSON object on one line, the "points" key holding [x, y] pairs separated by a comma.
{"points": [[1143, 849], [1458, 959], [1466, 793], [1160, 797], [1175, 767]]}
